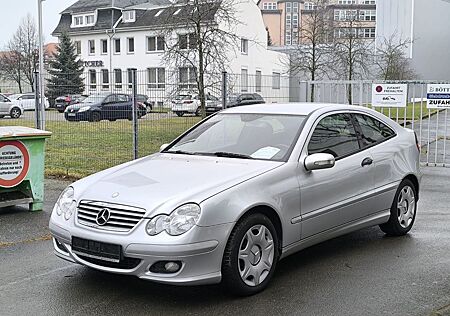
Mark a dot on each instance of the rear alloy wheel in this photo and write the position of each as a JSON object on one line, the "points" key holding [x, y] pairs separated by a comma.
{"points": [[403, 210], [95, 117], [180, 114], [250, 256], [197, 112], [15, 113]]}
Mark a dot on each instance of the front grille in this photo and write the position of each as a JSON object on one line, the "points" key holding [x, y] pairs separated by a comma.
{"points": [[122, 217]]}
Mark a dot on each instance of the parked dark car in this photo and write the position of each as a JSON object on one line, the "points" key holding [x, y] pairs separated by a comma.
{"points": [[244, 99], [104, 106], [142, 98], [64, 101]]}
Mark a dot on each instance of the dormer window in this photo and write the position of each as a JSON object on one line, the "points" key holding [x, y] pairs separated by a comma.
{"points": [[159, 12], [129, 16], [83, 20]]}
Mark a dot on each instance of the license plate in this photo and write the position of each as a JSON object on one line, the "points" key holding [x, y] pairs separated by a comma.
{"points": [[97, 250], [210, 109], [71, 114]]}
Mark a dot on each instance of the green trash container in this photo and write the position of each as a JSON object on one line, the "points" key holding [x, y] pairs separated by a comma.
{"points": [[22, 156]]}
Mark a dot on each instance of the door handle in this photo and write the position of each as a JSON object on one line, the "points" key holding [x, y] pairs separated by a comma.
{"points": [[366, 162]]}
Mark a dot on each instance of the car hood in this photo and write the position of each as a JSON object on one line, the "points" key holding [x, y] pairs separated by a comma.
{"points": [[161, 182]]}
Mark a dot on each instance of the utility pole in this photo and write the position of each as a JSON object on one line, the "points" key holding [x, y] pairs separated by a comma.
{"points": [[41, 67]]}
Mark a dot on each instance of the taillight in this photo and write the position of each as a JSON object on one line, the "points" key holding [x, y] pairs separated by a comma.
{"points": [[417, 142], [67, 99]]}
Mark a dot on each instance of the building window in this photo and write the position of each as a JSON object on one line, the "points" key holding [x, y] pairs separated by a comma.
{"points": [[77, 47], [187, 78], [129, 16], [156, 78], [244, 46], [288, 7], [91, 45], [309, 6], [130, 78], [258, 81], [244, 80], [295, 20], [117, 46], [368, 15], [78, 21], [130, 45], [155, 43], [186, 41], [104, 44], [288, 38], [105, 79], [367, 32], [369, 2], [345, 15], [276, 80], [269, 6], [295, 7], [118, 78], [90, 19], [346, 32], [92, 79], [347, 2]]}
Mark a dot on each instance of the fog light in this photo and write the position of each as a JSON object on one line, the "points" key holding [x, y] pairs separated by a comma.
{"points": [[166, 267], [171, 267]]}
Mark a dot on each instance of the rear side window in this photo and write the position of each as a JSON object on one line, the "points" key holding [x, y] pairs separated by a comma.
{"points": [[336, 135], [373, 131]]}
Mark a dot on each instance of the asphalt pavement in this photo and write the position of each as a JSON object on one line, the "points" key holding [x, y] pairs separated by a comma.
{"points": [[362, 273]]}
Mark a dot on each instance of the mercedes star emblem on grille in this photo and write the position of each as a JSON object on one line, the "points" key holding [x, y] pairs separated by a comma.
{"points": [[103, 217]]}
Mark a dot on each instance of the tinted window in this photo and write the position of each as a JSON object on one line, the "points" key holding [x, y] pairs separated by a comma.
{"points": [[2, 98], [373, 131], [335, 134]]}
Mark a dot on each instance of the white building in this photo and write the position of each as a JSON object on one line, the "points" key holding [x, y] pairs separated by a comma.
{"points": [[427, 24], [111, 41]]}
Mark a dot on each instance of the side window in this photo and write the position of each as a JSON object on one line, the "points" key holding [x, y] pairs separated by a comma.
{"points": [[336, 135], [373, 131], [2, 99], [110, 99]]}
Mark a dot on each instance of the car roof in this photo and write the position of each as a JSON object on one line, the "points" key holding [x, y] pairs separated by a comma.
{"points": [[295, 108]]}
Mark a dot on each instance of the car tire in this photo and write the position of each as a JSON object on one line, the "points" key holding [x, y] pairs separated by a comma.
{"points": [[403, 210], [242, 275], [2, 116], [198, 111], [15, 113], [96, 117], [60, 111], [180, 114]]}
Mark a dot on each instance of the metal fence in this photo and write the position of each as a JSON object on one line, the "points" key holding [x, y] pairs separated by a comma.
{"points": [[79, 148], [430, 125]]}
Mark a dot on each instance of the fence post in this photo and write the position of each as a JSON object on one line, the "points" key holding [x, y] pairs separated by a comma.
{"points": [[361, 89], [224, 89], [37, 108], [134, 113]]}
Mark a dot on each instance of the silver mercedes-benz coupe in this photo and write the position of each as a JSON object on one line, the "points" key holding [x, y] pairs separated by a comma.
{"points": [[244, 188]]}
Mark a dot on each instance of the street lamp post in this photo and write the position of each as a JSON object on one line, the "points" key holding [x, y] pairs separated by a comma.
{"points": [[41, 67]]}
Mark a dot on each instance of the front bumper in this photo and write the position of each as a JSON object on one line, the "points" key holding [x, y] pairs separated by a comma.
{"points": [[200, 257]]}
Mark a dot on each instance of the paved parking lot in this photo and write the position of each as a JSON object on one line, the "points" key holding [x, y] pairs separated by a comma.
{"points": [[363, 273]]}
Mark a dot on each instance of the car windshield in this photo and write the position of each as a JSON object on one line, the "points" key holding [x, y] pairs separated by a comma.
{"points": [[247, 136], [96, 98]]}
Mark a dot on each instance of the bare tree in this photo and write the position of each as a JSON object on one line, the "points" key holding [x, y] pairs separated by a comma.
{"points": [[391, 59], [19, 62], [352, 50], [314, 56], [198, 42]]}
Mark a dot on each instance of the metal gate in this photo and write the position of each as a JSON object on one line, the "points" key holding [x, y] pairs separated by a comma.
{"points": [[430, 125]]}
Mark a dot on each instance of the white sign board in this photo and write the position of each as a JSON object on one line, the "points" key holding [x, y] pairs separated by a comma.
{"points": [[438, 96], [389, 95]]}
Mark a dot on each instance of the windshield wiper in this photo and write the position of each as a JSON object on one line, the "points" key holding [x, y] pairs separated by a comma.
{"points": [[181, 152], [231, 155]]}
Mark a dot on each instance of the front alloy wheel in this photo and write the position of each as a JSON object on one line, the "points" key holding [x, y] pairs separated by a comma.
{"points": [[15, 113], [250, 256]]}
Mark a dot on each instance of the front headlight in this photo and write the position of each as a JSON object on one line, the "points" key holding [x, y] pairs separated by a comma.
{"points": [[84, 109], [66, 203], [178, 222]]}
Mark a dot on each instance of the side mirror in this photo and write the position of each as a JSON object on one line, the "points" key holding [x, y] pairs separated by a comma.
{"points": [[163, 146], [319, 161]]}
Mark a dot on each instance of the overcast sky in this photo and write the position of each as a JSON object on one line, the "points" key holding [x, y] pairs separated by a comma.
{"points": [[13, 11]]}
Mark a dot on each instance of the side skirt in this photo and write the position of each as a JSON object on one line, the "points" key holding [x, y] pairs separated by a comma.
{"points": [[372, 220]]}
